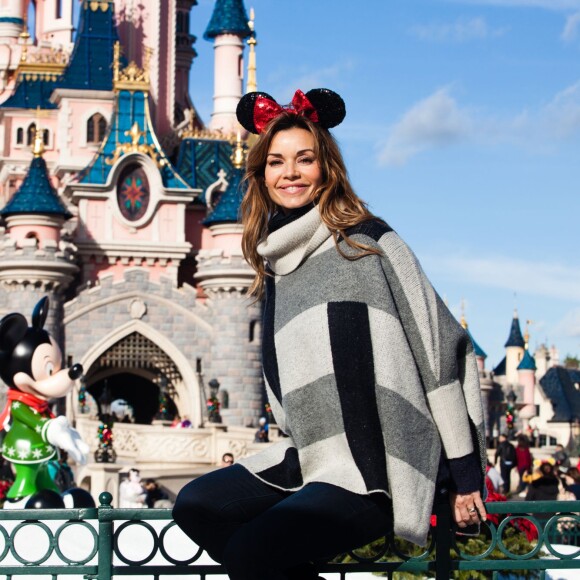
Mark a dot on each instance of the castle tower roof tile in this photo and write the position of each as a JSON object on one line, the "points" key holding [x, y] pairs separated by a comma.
{"points": [[229, 17]]}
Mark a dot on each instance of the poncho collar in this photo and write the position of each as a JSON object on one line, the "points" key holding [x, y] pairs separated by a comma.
{"points": [[287, 247]]}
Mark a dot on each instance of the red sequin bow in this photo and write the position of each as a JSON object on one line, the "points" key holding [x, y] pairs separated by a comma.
{"points": [[266, 109]]}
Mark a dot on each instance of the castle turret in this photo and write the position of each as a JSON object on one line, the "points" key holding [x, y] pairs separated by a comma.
{"points": [[225, 277], [11, 20], [54, 21], [34, 261], [515, 347], [527, 381], [485, 381], [227, 28]]}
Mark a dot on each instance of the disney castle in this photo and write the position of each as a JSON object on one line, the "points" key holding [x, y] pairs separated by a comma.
{"points": [[120, 204]]}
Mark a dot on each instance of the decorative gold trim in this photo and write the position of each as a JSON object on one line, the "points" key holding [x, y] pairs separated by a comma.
{"points": [[42, 65], [135, 147], [132, 77]]}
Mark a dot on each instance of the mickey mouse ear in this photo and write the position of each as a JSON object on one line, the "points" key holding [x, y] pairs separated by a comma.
{"points": [[329, 106], [40, 313], [245, 110], [13, 327]]}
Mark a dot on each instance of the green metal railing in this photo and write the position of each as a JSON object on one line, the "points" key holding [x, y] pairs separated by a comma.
{"points": [[102, 531]]}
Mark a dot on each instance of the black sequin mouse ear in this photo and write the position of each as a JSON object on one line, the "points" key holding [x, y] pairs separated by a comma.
{"points": [[329, 106], [246, 109]]}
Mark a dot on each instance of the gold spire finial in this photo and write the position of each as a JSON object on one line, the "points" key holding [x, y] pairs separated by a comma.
{"points": [[116, 60], [252, 84], [239, 155], [527, 334], [38, 145], [463, 322]]}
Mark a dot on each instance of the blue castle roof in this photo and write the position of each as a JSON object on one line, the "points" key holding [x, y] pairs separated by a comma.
{"points": [[477, 349], [527, 363], [130, 109], [515, 338], [89, 66], [558, 385], [90, 63], [229, 17], [200, 160], [499, 370], [36, 195], [227, 208]]}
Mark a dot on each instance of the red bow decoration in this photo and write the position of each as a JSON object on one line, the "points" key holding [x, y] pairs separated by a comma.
{"points": [[267, 109]]}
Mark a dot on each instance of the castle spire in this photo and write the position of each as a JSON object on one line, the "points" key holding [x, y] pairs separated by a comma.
{"points": [[227, 28], [252, 83], [515, 337]]}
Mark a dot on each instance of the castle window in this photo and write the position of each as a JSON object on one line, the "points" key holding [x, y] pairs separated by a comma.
{"points": [[30, 134], [255, 330], [45, 137], [96, 128], [58, 9], [19, 136], [133, 192]]}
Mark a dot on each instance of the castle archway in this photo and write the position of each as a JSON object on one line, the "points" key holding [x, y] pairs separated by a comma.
{"points": [[138, 371]]}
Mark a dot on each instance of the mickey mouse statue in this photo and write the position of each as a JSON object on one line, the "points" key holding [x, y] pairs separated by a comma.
{"points": [[31, 366]]}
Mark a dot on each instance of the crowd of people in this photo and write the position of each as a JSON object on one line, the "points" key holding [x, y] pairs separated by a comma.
{"points": [[546, 479]]}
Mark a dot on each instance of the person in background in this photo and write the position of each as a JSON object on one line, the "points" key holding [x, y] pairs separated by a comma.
{"points": [[561, 457], [156, 497], [506, 453], [571, 481], [262, 432], [544, 487], [132, 494], [61, 472], [523, 461], [493, 479], [227, 459]]}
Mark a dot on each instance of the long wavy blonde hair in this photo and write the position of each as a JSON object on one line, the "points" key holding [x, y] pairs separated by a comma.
{"points": [[340, 208]]}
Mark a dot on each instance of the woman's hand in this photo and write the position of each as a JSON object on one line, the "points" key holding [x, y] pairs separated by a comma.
{"points": [[467, 509]]}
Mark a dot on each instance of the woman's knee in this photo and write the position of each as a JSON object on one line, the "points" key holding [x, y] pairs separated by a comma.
{"points": [[191, 507]]}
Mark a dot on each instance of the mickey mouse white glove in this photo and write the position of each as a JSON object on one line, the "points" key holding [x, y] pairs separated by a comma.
{"points": [[59, 433]]}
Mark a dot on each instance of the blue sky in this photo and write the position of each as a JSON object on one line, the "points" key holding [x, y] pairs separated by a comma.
{"points": [[462, 132]]}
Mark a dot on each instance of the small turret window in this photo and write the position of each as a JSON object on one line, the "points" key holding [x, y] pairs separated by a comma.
{"points": [[96, 128], [30, 134], [19, 136], [46, 137], [58, 9]]}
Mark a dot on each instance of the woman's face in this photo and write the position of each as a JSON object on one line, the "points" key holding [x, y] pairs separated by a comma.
{"points": [[292, 171]]}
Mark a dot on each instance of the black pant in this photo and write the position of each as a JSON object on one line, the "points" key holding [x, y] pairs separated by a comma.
{"points": [[261, 533], [506, 475]]}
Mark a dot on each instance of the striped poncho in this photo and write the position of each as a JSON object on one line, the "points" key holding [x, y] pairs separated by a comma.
{"points": [[366, 370]]}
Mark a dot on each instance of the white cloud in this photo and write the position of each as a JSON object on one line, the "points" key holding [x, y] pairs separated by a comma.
{"points": [[552, 280], [570, 31], [439, 120], [433, 122], [461, 30]]}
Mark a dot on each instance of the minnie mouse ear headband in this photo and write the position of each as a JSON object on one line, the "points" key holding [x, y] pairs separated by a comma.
{"points": [[323, 106]]}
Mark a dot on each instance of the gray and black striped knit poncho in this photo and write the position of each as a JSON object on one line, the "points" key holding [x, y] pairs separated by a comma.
{"points": [[366, 370]]}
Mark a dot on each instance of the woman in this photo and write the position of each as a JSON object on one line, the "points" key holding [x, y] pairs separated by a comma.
{"points": [[366, 371], [545, 485]]}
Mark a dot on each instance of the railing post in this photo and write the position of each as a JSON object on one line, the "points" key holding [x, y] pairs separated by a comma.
{"points": [[105, 559], [443, 541]]}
